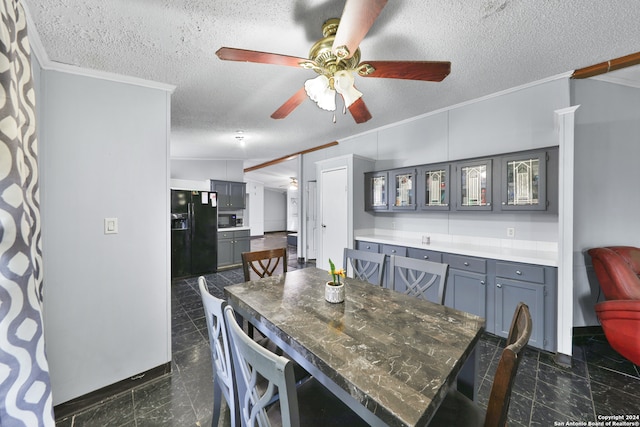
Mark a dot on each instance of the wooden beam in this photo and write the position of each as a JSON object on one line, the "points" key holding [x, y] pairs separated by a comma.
{"points": [[605, 67], [289, 157]]}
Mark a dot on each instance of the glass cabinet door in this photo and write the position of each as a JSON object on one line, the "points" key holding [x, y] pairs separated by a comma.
{"points": [[377, 191], [474, 185], [524, 182], [435, 187], [404, 185]]}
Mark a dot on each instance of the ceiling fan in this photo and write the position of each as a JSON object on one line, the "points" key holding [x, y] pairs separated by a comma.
{"points": [[335, 57]]}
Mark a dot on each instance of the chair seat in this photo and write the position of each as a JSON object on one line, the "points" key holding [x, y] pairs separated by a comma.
{"points": [[620, 321], [318, 407], [458, 410]]}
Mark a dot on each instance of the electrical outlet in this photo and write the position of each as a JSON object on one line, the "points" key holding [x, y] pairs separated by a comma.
{"points": [[511, 232]]}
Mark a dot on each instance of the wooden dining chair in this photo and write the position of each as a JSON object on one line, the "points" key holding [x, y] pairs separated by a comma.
{"points": [[458, 410], [418, 277], [367, 266], [311, 404], [259, 264], [223, 379]]}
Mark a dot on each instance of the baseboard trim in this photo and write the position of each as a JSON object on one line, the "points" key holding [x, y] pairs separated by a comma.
{"points": [[580, 331], [88, 400]]}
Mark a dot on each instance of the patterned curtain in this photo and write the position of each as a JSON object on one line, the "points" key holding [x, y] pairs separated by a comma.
{"points": [[25, 389]]}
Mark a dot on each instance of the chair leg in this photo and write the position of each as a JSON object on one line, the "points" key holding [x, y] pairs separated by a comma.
{"points": [[217, 403], [250, 330]]}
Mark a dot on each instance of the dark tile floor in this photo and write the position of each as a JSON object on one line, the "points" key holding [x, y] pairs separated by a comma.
{"points": [[600, 382]]}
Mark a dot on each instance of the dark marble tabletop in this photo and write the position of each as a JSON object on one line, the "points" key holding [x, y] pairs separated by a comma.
{"points": [[395, 354]]}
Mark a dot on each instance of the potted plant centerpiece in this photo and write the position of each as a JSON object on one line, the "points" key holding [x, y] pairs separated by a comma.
{"points": [[334, 289]]}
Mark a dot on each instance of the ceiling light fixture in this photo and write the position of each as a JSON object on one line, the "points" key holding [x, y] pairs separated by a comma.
{"points": [[293, 184], [240, 137]]}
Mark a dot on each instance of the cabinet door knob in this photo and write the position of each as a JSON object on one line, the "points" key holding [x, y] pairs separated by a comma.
{"points": [[519, 273], [466, 264], [426, 257], [393, 251], [498, 285], [482, 282]]}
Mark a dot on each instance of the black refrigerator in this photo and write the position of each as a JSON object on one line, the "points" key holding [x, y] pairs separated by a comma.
{"points": [[194, 233]]}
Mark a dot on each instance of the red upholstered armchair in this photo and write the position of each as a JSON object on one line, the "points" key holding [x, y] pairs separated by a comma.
{"points": [[618, 271]]}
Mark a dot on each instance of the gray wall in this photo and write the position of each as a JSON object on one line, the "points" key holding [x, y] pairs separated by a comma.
{"points": [[607, 180], [275, 210], [517, 120], [103, 153]]}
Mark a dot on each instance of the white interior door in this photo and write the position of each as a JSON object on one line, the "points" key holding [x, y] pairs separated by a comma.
{"points": [[312, 220], [334, 224]]}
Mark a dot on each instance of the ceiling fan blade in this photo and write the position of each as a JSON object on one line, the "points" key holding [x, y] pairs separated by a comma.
{"points": [[431, 71], [357, 17], [233, 54], [290, 105], [359, 111]]}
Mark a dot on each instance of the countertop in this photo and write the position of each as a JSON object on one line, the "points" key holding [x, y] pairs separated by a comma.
{"points": [[529, 252], [234, 229]]}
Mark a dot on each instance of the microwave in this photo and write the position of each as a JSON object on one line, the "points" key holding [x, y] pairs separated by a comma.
{"points": [[226, 220]]}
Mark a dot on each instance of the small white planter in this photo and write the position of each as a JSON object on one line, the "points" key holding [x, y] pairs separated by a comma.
{"points": [[333, 293]]}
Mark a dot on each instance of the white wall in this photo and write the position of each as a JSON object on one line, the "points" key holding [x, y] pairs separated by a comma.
{"points": [[255, 208], [607, 177], [293, 198], [207, 169], [103, 153], [275, 210]]}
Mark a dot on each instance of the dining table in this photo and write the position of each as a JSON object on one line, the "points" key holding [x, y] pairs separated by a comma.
{"points": [[391, 357]]}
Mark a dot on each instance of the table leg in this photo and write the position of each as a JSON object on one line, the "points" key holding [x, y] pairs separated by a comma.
{"points": [[467, 376]]}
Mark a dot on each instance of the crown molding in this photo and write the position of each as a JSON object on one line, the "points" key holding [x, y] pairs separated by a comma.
{"points": [[37, 49]]}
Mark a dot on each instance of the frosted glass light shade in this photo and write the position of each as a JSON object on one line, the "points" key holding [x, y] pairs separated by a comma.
{"points": [[343, 83], [318, 91]]}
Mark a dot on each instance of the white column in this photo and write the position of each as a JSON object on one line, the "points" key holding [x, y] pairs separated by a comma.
{"points": [[565, 127]]}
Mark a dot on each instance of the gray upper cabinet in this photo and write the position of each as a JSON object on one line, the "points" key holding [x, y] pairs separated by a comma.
{"points": [[434, 183], [528, 181], [523, 182], [231, 195], [474, 185], [403, 195], [377, 191]]}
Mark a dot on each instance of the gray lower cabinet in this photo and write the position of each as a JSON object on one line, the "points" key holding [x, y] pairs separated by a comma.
{"points": [[492, 289], [231, 244], [466, 284], [535, 286]]}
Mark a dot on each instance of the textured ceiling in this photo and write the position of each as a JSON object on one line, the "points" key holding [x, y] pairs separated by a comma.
{"points": [[492, 44]]}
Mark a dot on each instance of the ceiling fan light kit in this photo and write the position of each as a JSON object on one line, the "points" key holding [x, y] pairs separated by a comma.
{"points": [[335, 57]]}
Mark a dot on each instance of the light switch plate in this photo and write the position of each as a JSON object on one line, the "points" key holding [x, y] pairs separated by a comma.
{"points": [[111, 226]]}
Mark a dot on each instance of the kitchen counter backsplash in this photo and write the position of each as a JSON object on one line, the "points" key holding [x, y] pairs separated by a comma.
{"points": [[526, 251]]}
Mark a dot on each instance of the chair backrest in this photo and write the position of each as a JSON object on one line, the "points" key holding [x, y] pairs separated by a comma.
{"points": [[500, 396], [416, 277], [265, 263], [220, 348], [255, 362], [618, 271], [367, 266]]}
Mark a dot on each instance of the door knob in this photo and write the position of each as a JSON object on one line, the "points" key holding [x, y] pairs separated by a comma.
{"points": [[499, 285]]}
